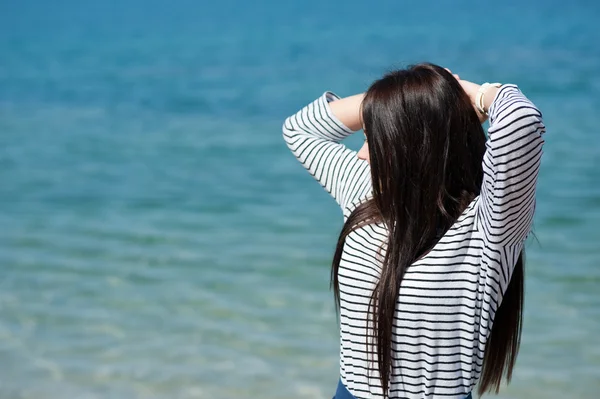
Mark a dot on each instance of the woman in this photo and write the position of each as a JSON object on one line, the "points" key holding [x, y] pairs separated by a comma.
{"points": [[428, 269]]}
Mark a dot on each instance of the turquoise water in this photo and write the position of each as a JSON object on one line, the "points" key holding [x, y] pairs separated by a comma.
{"points": [[157, 239]]}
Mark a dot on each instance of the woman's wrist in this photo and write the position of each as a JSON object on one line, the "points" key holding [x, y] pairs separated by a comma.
{"points": [[485, 96], [347, 111]]}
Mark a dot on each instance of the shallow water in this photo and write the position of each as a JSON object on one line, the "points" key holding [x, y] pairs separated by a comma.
{"points": [[158, 240]]}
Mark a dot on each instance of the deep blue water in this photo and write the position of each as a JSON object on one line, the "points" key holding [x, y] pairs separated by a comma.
{"points": [[158, 240]]}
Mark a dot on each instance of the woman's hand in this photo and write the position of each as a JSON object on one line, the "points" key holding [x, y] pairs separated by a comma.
{"points": [[471, 89]]}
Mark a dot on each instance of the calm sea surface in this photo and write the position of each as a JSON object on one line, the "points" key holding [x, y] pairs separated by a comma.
{"points": [[158, 240]]}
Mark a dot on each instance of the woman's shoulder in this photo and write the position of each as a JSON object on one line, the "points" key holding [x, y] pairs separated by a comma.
{"points": [[362, 193]]}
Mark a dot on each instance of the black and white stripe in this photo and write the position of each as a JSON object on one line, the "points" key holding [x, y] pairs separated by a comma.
{"points": [[449, 297]]}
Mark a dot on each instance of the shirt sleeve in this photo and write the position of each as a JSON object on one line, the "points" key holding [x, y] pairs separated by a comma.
{"points": [[510, 169], [314, 136]]}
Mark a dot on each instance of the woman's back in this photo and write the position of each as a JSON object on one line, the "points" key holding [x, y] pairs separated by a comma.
{"points": [[441, 314]]}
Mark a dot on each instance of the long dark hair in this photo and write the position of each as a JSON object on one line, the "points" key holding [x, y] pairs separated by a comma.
{"points": [[426, 146]]}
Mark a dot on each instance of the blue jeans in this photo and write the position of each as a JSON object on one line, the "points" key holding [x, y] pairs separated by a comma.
{"points": [[343, 393]]}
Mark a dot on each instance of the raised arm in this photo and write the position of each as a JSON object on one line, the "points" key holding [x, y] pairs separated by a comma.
{"points": [[511, 164], [314, 134]]}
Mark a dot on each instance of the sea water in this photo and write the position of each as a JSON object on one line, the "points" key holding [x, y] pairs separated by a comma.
{"points": [[157, 238]]}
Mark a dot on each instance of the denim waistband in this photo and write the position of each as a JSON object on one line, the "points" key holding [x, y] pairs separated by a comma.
{"points": [[342, 392]]}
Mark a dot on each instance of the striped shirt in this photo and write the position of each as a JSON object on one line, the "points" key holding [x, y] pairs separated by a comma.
{"points": [[448, 298]]}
